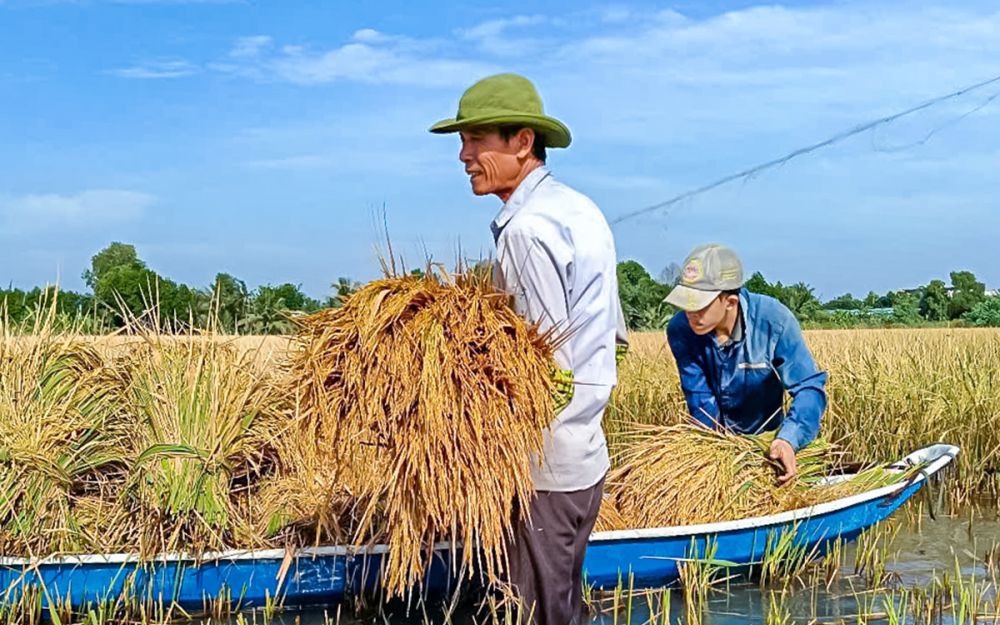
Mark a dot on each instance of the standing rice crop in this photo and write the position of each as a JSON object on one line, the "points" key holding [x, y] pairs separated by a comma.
{"points": [[431, 393]]}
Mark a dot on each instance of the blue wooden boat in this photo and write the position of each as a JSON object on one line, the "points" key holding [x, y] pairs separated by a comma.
{"points": [[330, 574]]}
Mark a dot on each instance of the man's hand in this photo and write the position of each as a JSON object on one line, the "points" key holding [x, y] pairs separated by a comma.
{"points": [[782, 453], [562, 388], [621, 350]]}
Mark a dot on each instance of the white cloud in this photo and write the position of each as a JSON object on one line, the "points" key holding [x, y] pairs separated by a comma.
{"points": [[250, 46], [799, 73], [157, 70], [494, 28], [87, 209], [370, 57], [495, 37], [616, 15], [370, 35]]}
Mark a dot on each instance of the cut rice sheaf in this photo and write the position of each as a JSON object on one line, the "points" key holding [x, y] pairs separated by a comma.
{"points": [[430, 395]]}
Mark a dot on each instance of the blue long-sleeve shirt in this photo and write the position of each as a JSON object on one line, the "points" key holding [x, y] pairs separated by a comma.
{"points": [[740, 386]]}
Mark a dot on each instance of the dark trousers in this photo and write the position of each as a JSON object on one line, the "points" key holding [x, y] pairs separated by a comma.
{"points": [[546, 555]]}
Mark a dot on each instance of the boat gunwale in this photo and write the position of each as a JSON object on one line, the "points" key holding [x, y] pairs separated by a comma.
{"points": [[945, 454]]}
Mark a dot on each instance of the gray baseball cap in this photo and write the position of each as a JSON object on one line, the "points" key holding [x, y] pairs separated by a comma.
{"points": [[708, 271]]}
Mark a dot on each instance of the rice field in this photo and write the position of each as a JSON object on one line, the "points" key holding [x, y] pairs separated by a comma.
{"points": [[188, 436]]}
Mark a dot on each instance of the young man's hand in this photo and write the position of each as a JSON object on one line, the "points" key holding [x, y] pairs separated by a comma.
{"points": [[782, 453]]}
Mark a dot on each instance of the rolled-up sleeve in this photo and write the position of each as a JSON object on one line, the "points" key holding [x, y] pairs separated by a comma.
{"points": [[699, 396], [805, 383]]}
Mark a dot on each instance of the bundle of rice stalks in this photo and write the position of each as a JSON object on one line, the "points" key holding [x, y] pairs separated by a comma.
{"points": [[204, 418], [60, 438], [687, 474], [307, 500], [432, 394]]}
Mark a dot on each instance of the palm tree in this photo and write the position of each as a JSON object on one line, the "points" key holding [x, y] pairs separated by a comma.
{"points": [[343, 288], [267, 314]]}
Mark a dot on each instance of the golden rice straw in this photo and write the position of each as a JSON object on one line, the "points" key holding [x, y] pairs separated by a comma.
{"points": [[686, 475], [431, 393]]}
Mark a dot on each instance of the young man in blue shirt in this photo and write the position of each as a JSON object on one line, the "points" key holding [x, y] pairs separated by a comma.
{"points": [[738, 352]]}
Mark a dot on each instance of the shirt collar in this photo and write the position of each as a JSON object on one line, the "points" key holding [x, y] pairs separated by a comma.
{"points": [[744, 306], [518, 198], [738, 333]]}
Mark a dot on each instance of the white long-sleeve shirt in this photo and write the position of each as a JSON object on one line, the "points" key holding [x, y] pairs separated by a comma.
{"points": [[556, 257]]}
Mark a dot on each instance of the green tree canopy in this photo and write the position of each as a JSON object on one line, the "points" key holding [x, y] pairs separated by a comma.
{"points": [[112, 257], [125, 287], [230, 300], [642, 297], [968, 292], [800, 298], [759, 284], [342, 289], [844, 302], [935, 301], [906, 308], [985, 313]]}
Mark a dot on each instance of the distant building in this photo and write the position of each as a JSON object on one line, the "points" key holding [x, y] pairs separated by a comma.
{"points": [[951, 291], [862, 312]]}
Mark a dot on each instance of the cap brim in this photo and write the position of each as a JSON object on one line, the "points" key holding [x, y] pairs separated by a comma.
{"points": [[690, 300], [555, 133]]}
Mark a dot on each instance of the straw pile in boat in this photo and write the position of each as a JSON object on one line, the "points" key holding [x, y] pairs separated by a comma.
{"points": [[687, 475]]}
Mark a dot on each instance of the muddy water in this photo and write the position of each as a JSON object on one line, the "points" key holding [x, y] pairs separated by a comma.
{"points": [[918, 550]]}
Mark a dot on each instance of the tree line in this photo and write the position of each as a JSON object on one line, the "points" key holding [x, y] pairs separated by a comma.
{"points": [[122, 288], [964, 301]]}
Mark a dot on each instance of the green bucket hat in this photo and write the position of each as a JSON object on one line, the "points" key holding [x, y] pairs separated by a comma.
{"points": [[501, 100]]}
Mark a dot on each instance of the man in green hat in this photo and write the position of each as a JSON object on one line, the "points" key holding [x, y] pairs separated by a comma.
{"points": [[556, 257]]}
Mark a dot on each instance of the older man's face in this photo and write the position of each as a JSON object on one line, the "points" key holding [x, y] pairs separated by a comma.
{"points": [[491, 161]]}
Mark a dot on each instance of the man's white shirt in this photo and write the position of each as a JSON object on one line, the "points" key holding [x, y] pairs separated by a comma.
{"points": [[556, 257]]}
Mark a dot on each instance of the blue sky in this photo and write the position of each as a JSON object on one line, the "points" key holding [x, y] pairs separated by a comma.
{"points": [[264, 138]]}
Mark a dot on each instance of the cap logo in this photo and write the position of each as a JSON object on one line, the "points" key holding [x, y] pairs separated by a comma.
{"points": [[693, 271], [730, 274]]}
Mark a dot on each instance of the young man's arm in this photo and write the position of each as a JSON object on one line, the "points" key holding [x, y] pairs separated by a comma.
{"points": [[804, 382], [700, 398]]}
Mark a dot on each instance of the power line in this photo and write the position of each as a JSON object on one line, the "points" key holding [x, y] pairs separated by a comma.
{"points": [[837, 138]]}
